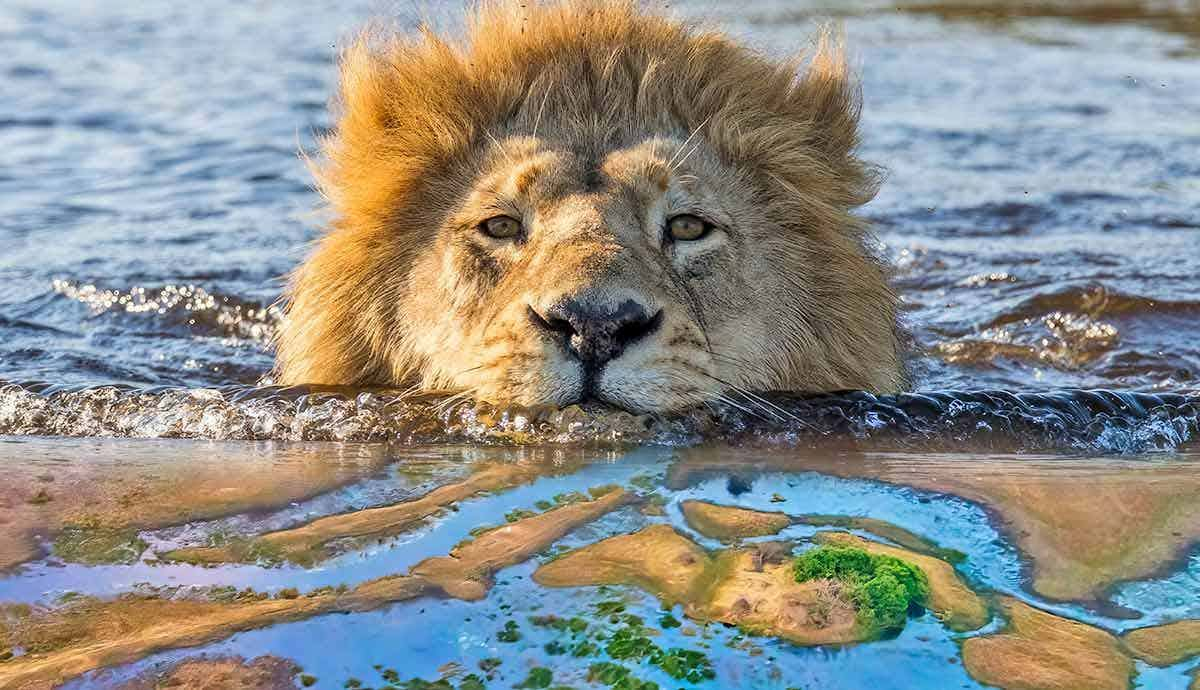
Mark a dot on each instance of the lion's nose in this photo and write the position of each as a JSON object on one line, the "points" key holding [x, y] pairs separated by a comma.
{"points": [[596, 334]]}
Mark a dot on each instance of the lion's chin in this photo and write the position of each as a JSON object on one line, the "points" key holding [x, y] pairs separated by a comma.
{"points": [[638, 392]]}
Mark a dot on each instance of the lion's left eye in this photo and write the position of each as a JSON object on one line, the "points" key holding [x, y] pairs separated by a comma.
{"points": [[501, 227], [686, 227]]}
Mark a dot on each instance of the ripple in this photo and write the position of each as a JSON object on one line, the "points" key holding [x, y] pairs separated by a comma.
{"points": [[1059, 339], [1098, 421], [190, 305]]}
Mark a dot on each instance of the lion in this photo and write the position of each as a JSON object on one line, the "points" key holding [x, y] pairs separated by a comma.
{"points": [[587, 201]]}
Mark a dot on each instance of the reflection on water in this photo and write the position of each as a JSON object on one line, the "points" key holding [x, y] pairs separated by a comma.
{"points": [[1102, 543]]}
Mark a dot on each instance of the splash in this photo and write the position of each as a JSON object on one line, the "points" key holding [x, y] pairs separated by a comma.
{"points": [[1099, 421]]}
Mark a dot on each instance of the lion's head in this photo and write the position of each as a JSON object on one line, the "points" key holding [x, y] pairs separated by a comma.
{"points": [[586, 201]]}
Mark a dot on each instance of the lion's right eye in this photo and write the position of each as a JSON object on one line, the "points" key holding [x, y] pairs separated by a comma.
{"points": [[501, 227]]}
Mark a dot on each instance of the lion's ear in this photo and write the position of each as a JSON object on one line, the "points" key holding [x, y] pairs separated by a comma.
{"points": [[827, 97]]}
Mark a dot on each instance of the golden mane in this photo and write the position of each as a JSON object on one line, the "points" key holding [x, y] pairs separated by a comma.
{"points": [[412, 110]]}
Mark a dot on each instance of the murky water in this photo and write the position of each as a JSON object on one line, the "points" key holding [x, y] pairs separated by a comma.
{"points": [[1042, 212]]}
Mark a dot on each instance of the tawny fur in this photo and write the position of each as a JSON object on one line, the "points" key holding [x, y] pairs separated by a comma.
{"points": [[591, 122]]}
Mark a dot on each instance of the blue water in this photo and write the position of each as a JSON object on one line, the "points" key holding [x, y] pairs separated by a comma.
{"points": [[1041, 205]]}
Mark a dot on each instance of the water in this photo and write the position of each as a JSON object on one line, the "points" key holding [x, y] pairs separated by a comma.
{"points": [[1041, 212]]}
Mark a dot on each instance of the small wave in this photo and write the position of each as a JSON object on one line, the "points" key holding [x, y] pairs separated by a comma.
{"points": [[1068, 329], [1099, 421], [187, 305], [1063, 340], [1093, 299]]}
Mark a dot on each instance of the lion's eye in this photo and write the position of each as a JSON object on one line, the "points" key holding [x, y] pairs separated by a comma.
{"points": [[686, 228], [501, 227]]}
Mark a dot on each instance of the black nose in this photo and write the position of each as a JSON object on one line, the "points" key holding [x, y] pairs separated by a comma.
{"points": [[596, 334]]}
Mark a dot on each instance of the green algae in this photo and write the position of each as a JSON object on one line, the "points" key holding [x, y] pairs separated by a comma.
{"points": [[511, 633], [645, 482], [614, 644], [518, 514], [91, 543], [883, 588], [245, 549], [539, 677], [617, 677]]}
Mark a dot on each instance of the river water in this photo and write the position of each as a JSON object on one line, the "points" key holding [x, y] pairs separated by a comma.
{"points": [[1041, 209], [1041, 212]]}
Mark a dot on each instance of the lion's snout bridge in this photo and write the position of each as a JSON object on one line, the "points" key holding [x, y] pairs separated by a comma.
{"points": [[594, 331]]}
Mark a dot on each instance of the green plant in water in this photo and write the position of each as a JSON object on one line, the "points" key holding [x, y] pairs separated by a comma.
{"points": [[91, 543], [883, 588], [539, 677], [510, 633], [630, 643], [518, 514], [617, 677]]}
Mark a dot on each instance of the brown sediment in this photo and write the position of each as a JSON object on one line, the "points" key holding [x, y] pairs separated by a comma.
{"points": [[86, 634], [752, 588], [305, 545], [1165, 645], [1041, 651], [466, 572], [220, 673], [731, 522], [657, 559], [950, 599], [1085, 525], [120, 486]]}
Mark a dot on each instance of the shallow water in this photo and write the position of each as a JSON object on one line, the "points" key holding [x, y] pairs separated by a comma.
{"points": [[1042, 213], [1039, 528]]}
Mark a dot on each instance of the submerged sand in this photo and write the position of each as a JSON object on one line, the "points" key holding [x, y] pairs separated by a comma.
{"points": [[100, 492], [82, 635]]}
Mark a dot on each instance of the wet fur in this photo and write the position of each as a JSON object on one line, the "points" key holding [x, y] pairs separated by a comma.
{"points": [[591, 121]]}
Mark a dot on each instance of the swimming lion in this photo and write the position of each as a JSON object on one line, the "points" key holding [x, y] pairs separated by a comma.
{"points": [[588, 201]]}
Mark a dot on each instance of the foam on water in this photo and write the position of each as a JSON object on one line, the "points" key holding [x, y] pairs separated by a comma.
{"points": [[1102, 421]]}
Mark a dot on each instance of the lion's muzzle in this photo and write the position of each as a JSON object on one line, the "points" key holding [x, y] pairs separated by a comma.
{"points": [[594, 332]]}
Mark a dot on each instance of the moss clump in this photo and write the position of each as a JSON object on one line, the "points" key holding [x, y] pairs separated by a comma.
{"points": [[883, 588]]}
